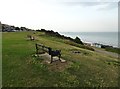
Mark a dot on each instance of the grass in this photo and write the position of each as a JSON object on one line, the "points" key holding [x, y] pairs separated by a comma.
{"points": [[79, 45], [115, 50], [22, 69]]}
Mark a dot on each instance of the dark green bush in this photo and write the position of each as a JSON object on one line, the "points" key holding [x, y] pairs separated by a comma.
{"points": [[77, 40]]}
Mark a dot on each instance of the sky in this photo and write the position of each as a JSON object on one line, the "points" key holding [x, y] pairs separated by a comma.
{"points": [[61, 15]]}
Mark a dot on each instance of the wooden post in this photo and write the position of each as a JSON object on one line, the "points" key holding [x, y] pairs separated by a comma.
{"points": [[51, 59], [36, 48], [59, 57], [42, 48]]}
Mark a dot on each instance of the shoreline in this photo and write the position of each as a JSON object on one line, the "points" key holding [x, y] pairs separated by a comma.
{"points": [[95, 37], [92, 44]]}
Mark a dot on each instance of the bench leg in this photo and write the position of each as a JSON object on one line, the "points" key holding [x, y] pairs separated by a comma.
{"points": [[59, 57], [51, 59], [36, 51]]}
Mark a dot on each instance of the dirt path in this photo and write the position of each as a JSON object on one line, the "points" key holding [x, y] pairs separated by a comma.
{"points": [[47, 58], [56, 65], [102, 51]]}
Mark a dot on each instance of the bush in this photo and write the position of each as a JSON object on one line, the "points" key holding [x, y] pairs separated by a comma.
{"points": [[52, 33], [77, 40]]}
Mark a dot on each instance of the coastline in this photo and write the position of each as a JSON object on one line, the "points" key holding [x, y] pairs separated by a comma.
{"points": [[103, 38], [92, 44]]}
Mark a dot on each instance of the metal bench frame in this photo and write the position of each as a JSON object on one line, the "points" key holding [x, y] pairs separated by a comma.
{"points": [[40, 47]]}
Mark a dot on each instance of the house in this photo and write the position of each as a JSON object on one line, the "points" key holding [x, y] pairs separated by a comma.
{"points": [[101, 45], [97, 45]]}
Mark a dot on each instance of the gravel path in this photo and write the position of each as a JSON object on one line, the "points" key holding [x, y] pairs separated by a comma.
{"points": [[106, 52]]}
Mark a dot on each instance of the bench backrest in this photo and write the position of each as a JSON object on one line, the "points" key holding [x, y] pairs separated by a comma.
{"points": [[41, 47], [31, 37], [54, 52]]}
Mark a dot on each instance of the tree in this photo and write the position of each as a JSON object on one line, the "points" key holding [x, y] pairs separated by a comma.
{"points": [[43, 30], [17, 28], [77, 40]]}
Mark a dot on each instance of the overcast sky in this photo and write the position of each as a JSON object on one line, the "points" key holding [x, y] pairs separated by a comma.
{"points": [[61, 15]]}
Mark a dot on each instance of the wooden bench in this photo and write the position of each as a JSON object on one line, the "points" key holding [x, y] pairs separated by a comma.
{"points": [[31, 37], [40, 49]]}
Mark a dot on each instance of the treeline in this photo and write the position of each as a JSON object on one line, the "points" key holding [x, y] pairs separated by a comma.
{"points": [[74, 42], [52, 33]]}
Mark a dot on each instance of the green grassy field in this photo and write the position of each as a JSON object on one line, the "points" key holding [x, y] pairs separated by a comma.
{"points": [[22, 69], [115, 50]]}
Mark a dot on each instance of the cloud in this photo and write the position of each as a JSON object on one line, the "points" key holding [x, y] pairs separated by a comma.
{"points": [[98, 5], [83, 3], [109, 6]]}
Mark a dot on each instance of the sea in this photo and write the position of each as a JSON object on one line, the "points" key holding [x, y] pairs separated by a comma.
{"points": [[106, 38]]}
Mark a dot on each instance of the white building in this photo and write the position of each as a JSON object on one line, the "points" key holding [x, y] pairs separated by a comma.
{"points": [[97, 45]]}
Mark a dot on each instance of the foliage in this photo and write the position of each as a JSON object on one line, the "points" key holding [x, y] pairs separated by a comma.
{"points": [[56, 34], [17, 28], [77, 40]]}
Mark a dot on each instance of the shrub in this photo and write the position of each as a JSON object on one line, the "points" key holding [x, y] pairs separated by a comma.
{"points": [[77, 40]]}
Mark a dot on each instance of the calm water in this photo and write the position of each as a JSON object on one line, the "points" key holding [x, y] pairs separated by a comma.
{"points": [[107, 38]]}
